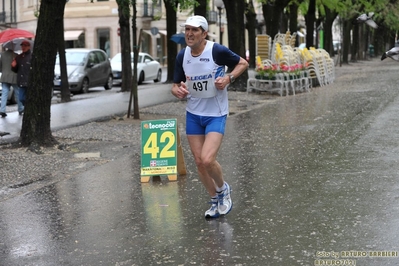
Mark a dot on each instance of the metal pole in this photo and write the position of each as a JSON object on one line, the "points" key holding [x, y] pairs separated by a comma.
{"points": [[220, 25]]}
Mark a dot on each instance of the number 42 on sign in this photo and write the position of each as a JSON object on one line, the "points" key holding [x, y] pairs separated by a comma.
{"points": [[161, 151]]}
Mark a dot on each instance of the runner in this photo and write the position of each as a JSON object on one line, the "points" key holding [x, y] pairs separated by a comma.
{"points": [[200, 76]]}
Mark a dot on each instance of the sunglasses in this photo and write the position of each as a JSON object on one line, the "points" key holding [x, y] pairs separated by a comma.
{"points": [[25, 45]]}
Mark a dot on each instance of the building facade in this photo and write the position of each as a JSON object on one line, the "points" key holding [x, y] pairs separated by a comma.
{"points": [[95, 25]]}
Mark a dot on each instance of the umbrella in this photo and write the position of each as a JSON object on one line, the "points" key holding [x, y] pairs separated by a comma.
{"points": [[179, 38], [15, 44], [10, 34]]}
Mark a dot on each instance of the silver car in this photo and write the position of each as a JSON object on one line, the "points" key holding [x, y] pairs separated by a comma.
{"points": [[87, 68]]}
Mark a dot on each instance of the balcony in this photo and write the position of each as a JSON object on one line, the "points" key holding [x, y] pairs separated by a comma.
{"points": [[2, 17], [152, 11], [6, 20]]}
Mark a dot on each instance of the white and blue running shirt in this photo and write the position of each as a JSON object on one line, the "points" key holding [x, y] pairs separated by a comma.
{"points": [[199, 74]]}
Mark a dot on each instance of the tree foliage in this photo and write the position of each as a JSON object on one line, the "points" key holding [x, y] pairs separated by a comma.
{"points": [[386, 14]]}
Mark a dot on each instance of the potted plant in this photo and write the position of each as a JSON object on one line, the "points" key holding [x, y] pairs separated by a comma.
{"points": [[271, 71], [304, 68], [296, 68], [285, 70], [260, 71]]}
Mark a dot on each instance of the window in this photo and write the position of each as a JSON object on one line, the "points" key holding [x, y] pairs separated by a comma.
{"points": [[152, 8], [157, 10], [101, 56], [147, 59], [146, 12], [103, 41], [93, 60]]}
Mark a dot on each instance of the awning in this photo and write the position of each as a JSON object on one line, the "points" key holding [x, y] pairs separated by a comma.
{"points": [[72, 35], [149, 33]]}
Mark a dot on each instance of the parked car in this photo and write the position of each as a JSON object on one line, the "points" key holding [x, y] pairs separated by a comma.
{"points": [[11, 96], [86, 68], [147, 68]]}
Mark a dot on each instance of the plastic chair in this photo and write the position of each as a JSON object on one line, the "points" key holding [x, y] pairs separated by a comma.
{"points": [[329, 65], [264, 46]]}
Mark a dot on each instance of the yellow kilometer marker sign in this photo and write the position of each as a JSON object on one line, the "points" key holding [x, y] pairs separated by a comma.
{"points": [[161, 151]]}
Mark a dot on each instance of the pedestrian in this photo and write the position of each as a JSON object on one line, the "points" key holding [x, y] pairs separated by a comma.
{"points": [[8, 79], [22, 65], [199, 76]]}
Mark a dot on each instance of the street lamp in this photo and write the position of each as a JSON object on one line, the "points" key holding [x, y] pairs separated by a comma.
{"points": [[219, 4]]}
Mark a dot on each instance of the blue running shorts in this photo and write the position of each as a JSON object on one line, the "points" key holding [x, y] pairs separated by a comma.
{"points": [[202, 125]]}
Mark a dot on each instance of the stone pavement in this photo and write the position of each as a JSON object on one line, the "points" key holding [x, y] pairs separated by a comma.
{"points": [[91, 125], [311, 174]]}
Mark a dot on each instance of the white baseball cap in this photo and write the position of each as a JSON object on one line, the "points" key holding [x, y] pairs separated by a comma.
{"points": [[196, 21]]}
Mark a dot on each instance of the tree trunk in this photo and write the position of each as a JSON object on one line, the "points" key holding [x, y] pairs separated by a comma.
{"points": [[201, 8], [171, 7], [235, 19], [346, 40], [65, 92], [328, 24], [272, 13], [284, 18], [383, 40], [136, 49], [124, 34], [293, 23], [363, 40], [251, 28], [310, 21], [36, 130], [355, 43]]}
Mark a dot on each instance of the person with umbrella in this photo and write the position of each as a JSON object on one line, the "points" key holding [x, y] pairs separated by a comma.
{"points": [[22, 65], [8, 79]]}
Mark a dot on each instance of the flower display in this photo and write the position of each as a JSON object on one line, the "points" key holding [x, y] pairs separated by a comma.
{"points": [[296, 69], [260, 70], [284, 68], [271, 70], [267, 71]]}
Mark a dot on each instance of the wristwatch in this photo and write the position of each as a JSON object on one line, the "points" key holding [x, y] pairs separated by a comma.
{"points": [[232, 78]]}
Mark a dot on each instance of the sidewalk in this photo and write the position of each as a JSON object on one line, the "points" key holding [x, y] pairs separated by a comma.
{"points": [[64, 115]]}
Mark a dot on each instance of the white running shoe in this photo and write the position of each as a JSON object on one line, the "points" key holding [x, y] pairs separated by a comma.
{"points": [[213, 211], [225, 203]]}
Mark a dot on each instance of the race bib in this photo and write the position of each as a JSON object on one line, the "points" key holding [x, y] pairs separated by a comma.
{"points": [[201, 86]]}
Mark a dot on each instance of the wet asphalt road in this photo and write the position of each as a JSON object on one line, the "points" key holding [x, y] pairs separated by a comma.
{"points": [[314, 179]]}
